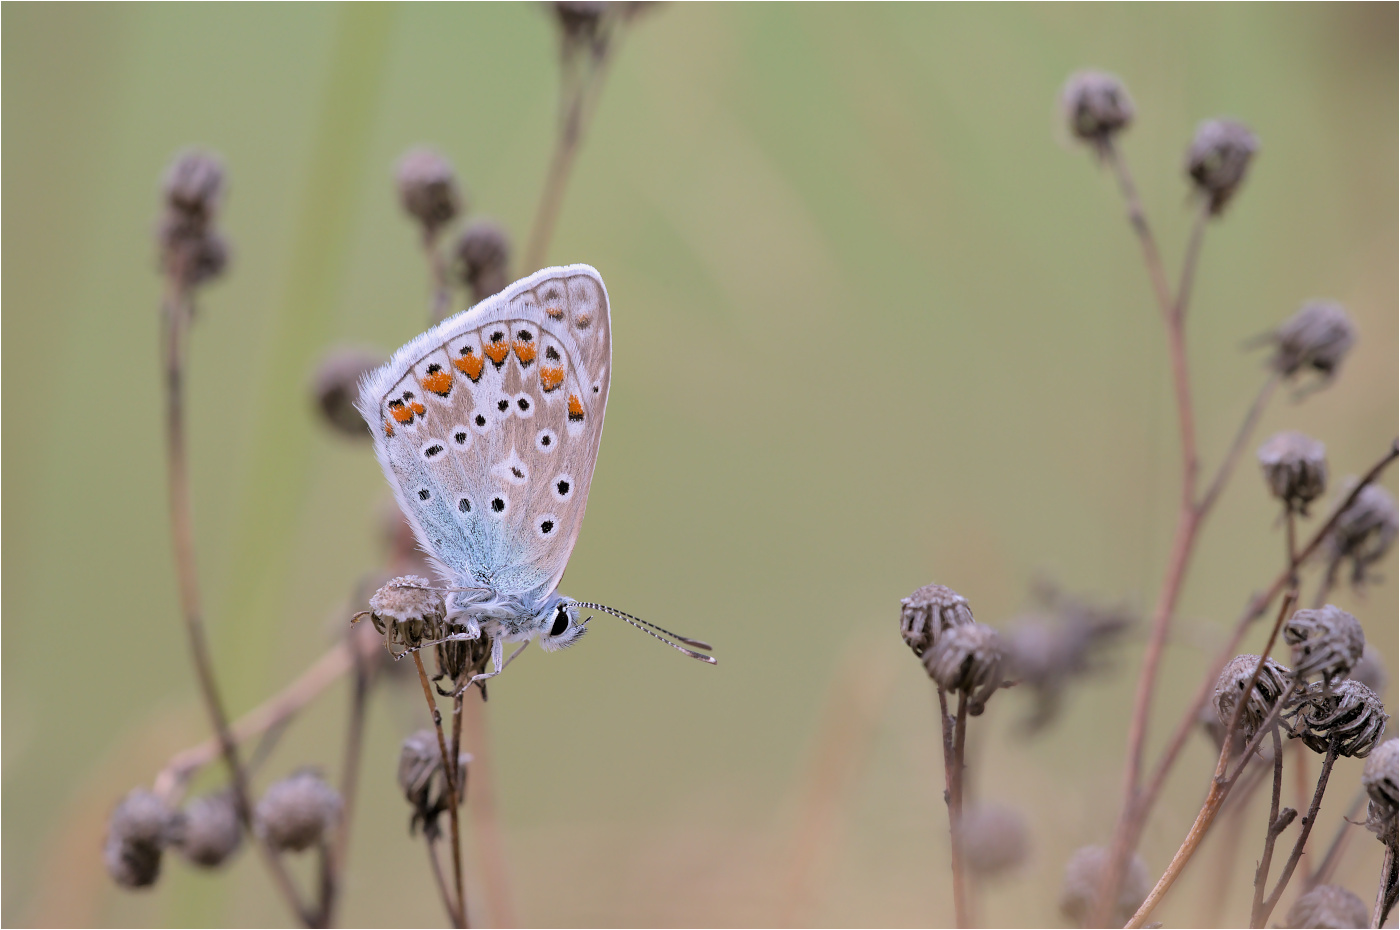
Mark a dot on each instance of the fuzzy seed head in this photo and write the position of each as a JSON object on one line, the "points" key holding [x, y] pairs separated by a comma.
{"points": [[482, 254], [194, 184], [928, 613], [1328, 906], [428, 189], [211, 831], [1219, 158], [994, 839], [1381, 779], [1081, 885], [1275, 680], [968, 659], [137, 833], [1326, 642], [1370, 670], [336, 385], [423, 782], [408, 611], [1295, 469], [1346, 712], [297, 812], [1096, 106], [1364, 532], [1316, 338]]}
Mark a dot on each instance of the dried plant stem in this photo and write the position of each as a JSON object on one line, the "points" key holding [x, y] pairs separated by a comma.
{"points": [[178, 309], [459, 912], [430, 844], [1338, 846], [961, 905], [1227, 464], [486, 826], [1386, 893], [339, 849], [1276, 825], [1222, 875], [1262, 916], [437, 270]]}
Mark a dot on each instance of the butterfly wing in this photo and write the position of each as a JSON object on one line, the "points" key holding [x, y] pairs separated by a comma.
{"points": [[488, 425]]}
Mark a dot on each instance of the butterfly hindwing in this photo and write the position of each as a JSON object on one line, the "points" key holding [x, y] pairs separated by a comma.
{"points": [[488, 427]]}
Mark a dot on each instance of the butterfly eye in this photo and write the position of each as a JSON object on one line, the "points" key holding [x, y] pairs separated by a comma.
{"points": [[561, 621]]}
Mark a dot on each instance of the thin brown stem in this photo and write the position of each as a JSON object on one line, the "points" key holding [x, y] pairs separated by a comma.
{"points": [[1151, 255], [955, 813], [430, 844], [437, 270], [1386, 893], [178, 313], [1227, 464], [486, 827], [459, 915], [1272, 831], [338, 852], [1190, 261], [1302, 841], [1222, 874]]}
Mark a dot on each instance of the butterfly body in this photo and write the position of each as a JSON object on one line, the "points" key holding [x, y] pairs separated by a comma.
{"points": [[488, 427]]}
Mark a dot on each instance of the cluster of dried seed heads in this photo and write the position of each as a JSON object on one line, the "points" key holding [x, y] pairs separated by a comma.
{"points": [[1295, 469], [192, 251], [137, 833], [1326, 642]]}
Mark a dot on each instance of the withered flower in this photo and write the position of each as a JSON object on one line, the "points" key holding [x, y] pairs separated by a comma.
{"points": [[930, 611], [1345, 712], [967, 659]]}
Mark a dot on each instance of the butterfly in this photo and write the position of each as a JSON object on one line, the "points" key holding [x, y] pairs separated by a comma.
{"points": [[487, 427]]}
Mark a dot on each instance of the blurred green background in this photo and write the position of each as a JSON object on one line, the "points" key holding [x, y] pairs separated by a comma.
{"points": [[877, 323]]}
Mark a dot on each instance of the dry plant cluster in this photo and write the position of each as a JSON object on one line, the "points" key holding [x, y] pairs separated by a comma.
{"points": [[1262, 714]]}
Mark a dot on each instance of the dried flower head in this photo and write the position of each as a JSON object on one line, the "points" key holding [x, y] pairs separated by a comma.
{"points": [[423, 782], [482, 254], [1316, 338], [1345, 712], [211, 832], [194, 184], [1081, 885], [337, 384], [297, 812], [428, 189], [994, 839], [1096, 106], [928, 613], [1275, 681], [1215, 731], [1219, 158], [1364, 532], [1328, 906], [1370, 670], [1381, 779], [1295, 469], [967, 659], [458, 660], [1327, 641], [408, 611], [137, 833]]}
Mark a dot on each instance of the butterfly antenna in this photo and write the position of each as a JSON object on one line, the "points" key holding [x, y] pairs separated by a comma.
{"points": [[651, 629]]}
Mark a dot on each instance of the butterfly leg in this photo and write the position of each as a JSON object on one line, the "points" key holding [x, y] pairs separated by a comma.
{"points": [[497, 666]]}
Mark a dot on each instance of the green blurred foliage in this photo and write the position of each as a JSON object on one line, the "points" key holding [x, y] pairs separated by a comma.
{"points": [[877, 323]]}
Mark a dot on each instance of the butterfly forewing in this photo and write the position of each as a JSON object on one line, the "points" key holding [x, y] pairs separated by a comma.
{"points": [[488, 428]]}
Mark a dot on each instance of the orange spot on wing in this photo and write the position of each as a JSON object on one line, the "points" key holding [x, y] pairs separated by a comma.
{"points": [[551, 378], [401, 413], [525, 351], [389, 428], [418, 408], [469, 365], [575, 408], [496, 351], [583, 320], [554, 313], [437, 381]]}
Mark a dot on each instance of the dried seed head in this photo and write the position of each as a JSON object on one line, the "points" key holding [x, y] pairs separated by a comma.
{"points": [[137, 833], [1316, 338], [1327, 642], [422, 780], [1381, 776], [428, 189], [928, 613], [994, 839], [408, 611], [1096, 106], [297, 812], [460, 659], [1345, 711], [1364, 532], [1275, 680], [1081, 885], [336, 385], [211, 831], [1295, 469], [1370, 670], [194, 184], [1328, 906], [1218, 159], [483, 258], [967, 659]]}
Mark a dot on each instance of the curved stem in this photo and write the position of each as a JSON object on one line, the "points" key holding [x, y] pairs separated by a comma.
{"points": [[955, 814], [1302, 840], [1386, 893], [1261, 873], [459, 913]]}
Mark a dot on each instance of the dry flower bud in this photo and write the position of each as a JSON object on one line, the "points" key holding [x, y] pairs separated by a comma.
{"points": [[1218, 159], [1081, 885], [1364, 532], [483, 258], [297, 812], [1381, 778], [1295, 468], [211, 832], [1096, 106], [994, 839], [408, 611], [967, 659], [1370, 670], [1328, 906], [194, 184], [139, 830], [1315, 338], [1327, 642], [337, 384], [1346, 712], [422, 780], [428, 189], [1275, 680], [928, 613]]}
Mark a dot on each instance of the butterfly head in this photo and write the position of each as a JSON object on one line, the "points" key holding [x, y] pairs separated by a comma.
{"points": [[558, 623]]}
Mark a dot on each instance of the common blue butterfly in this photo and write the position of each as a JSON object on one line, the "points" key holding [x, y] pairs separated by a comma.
{"points": [[487, 427]]}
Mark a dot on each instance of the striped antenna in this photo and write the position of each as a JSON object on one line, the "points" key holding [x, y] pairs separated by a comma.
{"points": [[651, 629]]}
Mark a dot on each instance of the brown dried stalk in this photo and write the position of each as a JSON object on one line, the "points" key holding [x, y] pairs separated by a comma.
{"points": [[456, 910]]}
